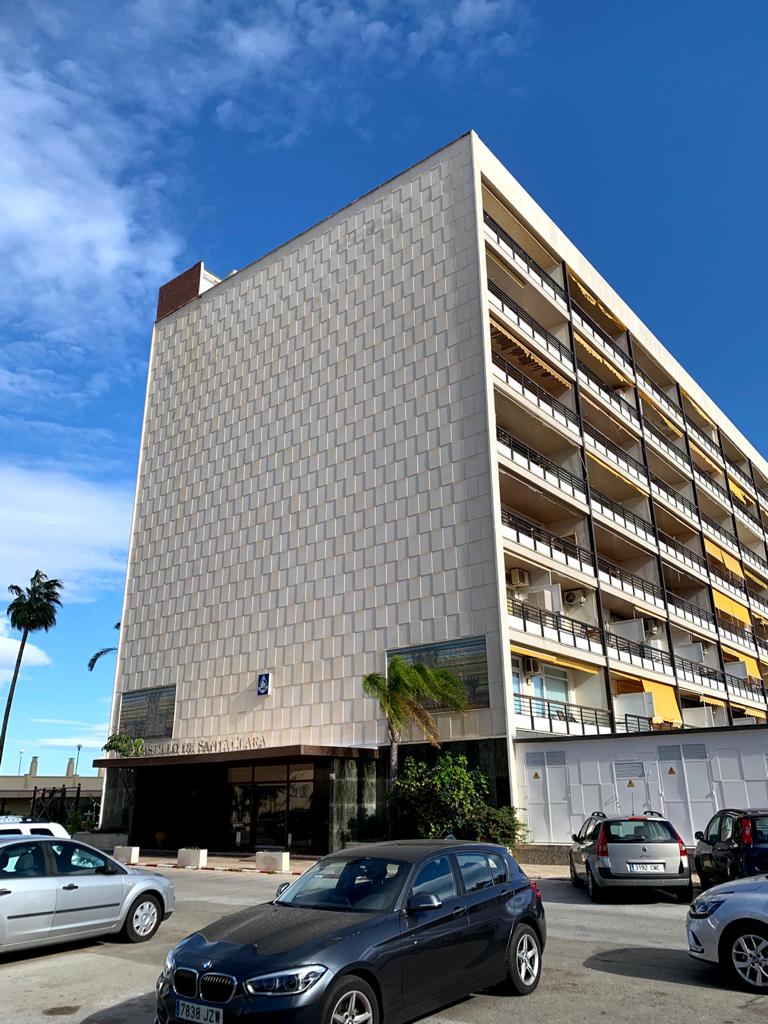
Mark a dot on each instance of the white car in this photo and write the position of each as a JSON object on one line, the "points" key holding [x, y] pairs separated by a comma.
{"points": [[16, 825], [728, 925], [56, 890]]}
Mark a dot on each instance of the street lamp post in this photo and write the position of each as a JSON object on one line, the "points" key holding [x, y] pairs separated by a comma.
{"points": [[77, 759], [21, 754]]}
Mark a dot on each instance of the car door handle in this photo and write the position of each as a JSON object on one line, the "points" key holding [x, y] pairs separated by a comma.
{"points": [[5, 892], [68, 888], [456, 911]]}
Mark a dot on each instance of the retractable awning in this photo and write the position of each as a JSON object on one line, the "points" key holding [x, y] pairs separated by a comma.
{"points": [[554, 659], [664, 702], [730, 607], [728, 560]]}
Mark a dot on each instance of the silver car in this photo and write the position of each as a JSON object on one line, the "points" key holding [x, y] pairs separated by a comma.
{"points": [[728, 925], [55, 890], [641, 851]]}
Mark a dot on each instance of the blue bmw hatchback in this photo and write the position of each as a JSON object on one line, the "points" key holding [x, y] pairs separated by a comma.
{"points": [[388, 931]]}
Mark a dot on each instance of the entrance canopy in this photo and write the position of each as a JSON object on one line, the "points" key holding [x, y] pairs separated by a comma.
{"points": [[297, 751]]}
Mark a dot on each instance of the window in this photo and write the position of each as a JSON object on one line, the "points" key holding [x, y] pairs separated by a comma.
{"points": [[10, 831], [72, 859], [25, 860], [594, 828], [466, 659], [713, 830], [726, 828], [148, 714], [475, 871], [41, 832], [760, 829], [644, 830], [498, 868], [436, 877], [344, 884]]}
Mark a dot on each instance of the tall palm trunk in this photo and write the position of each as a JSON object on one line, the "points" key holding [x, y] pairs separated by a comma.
{"points": [[11, 691], [393, 740]]}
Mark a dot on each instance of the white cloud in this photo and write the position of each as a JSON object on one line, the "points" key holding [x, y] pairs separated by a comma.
{"points": [[91, 736], [73, 529], [34, 657]]}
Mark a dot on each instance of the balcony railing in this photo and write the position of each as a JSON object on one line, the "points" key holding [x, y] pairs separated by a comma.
{"points": [[529, 327], [614, 454], [725, 538], [758, 601], [542, 399], [621, 516], [747, 689], [762, 646], [633, 723], [754, 560], [699, 675], [629, 583], [639, 655], [725, 578], [660, 398], [712, 487], [664, 443], [592, 382], [519, 255], [703, 439], [539, 714], [690, 612], [677, 550], [536, 538], [553, 626], [661, 489], [604, 341], [747, 517], [542, 467], [736, 633], [738, 474]]}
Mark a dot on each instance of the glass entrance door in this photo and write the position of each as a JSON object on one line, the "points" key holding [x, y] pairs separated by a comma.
{"points": [[269, 809]]}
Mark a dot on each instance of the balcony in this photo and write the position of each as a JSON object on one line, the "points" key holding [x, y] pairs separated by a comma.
{"points": [[703, 440], [679, 553], [755, 561], [712, 488], [521, 261], [734, 633], [762, 647], [553, 626], [658, 398], [525, 388], [722, 535], [541, 467], [667, 494], [639, 656], [635, 586], [584, 322], [529, 328], [622, 517], [695, 674], [742, 478], [726, 580], [626, 412], [615, 456], [748, 518], [758, 601], [633, 723], [662, 444], [752, 690], [528, 535], [539, 714], [692, 613]]}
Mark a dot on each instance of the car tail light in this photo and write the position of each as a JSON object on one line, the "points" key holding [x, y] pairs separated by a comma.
{"points": [[536, 890], [602, 843], [681, 844], [746, 831]]}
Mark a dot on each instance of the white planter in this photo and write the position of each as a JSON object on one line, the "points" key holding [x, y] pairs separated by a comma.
{"points": [[192, 858], [126, 854], [272, 860]]}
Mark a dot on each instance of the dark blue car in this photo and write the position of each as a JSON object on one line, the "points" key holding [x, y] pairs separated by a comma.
{"points": [[388, 931], [733, 845]]}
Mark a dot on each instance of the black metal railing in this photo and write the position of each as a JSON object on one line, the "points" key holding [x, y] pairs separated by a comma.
{"points": [[738, 473], [615, 450], [562, 475], [625, 406], [641, 525], [735, 628], [708, 482], [674, 496], [560, 716], [684, 552], [757, 595], [633, 723], [572, 629], [741, 507], [521, 314], [714, 675], [755, 559], [661, 397], [753, 689], [542, 536], [631, 580], [715, 527], [698, 434], [666, 443], [661, 660], [719, 570], [543, 397], [607, 340], [679, 604], [516, 247]]}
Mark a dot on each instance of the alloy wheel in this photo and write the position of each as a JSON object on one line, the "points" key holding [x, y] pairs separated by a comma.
{"points": [[749, 955], [527, 959], [353, 1008], [145, 918]]}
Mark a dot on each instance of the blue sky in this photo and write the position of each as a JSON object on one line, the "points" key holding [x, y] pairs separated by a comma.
{"points": [[140, 137]]}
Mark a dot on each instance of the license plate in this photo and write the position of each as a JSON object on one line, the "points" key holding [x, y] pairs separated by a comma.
{"points": [[198, 1013], [643, 868]]}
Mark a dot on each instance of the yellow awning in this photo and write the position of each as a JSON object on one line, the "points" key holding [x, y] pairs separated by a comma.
{"points": [[754, 712], [698, 409], [651, 399], [554, 659], [753, 577], [616, 472], [712, 700], [752, 667], [664, 702], [730, 607], [704, 455], [528, 354], [621, 378], [593, 301], [728, 560], [738, 493]]}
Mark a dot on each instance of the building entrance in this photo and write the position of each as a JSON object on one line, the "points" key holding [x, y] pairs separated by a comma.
{"points": [[274, 806]]}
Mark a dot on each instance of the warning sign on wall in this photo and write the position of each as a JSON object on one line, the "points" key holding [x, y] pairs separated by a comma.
{"points": [[630, 784]]}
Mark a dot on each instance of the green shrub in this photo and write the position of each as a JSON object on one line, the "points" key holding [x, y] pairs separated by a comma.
{"points": [[499, 825], [430, 801]]}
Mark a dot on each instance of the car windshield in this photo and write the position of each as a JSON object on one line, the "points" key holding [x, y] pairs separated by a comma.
{"points": [[364, 885], [643, 830]]}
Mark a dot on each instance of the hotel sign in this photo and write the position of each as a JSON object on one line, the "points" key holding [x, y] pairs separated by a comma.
{"points": [[212, 745]]}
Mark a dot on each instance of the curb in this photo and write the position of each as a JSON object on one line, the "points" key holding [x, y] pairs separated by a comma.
{"points": [[254, 871]]}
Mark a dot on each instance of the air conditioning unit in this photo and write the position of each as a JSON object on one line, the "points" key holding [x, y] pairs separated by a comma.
{"points": [[650, 628], [531, 667], [518, 577], [574, 598]]}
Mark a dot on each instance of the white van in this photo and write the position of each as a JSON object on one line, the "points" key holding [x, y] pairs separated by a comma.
{"points": [[16, 825]]}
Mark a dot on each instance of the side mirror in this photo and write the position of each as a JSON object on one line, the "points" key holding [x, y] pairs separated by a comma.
{"points": [[281, 889], [424, 901], [574, 837], [698, 835]]}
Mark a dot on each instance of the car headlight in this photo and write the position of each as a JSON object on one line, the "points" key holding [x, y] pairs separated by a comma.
{"points": [[285, 983], [706, 905], [170, 963]]}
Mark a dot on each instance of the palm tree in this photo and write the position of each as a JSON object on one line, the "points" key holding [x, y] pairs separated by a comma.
{"points": [[31, 610], [101, 653], [405, 697]]}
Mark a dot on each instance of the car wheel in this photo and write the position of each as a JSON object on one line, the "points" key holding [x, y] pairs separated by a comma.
{"points": [[350, 1000], [744, 957], [593, 890], [685, 893], [143, 919], [574, 877], [523, 961]]}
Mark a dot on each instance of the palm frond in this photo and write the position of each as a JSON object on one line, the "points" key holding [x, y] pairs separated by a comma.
{"points": [[34, 608], [425, 721], [99, 654]]}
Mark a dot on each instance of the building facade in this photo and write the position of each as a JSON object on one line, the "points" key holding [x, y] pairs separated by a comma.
{"points": [[425, 426]]}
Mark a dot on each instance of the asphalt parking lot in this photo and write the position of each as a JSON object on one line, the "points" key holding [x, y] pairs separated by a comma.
{"points": [[624, 962]]}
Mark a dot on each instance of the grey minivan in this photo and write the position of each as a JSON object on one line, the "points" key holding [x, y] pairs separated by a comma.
{"points": [[641, 851]]}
